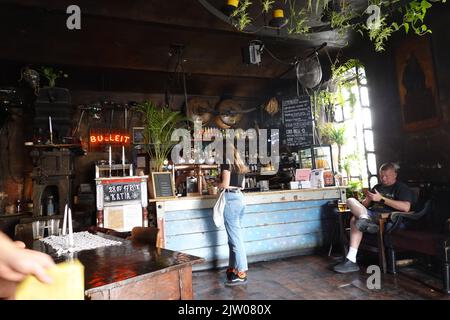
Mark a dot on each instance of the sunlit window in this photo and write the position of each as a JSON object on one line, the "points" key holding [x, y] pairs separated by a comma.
{"points": [[358, 151]]}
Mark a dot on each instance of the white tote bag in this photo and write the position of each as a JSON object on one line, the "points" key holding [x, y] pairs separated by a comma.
{"points": [[218, 210]]}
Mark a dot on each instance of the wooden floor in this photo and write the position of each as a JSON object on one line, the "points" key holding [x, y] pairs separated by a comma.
{"points": [[312, 277]]}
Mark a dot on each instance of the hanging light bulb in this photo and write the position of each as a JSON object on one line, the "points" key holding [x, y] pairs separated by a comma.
{"points": [[230, 7], [278, 20]]}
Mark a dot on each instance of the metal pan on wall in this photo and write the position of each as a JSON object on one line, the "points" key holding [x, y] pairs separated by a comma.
{"points": [[230, 112], [222, 125], [199, 109]]}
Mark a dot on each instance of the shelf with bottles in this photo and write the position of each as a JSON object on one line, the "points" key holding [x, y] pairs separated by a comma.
{"points": [[208, 133]]}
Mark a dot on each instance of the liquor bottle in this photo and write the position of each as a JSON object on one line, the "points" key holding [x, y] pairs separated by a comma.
{"points": [[50, 206]]}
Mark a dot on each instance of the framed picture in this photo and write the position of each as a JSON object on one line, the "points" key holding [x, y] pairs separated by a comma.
{"points": [[417, 84], [138, 135], [142, 163]]}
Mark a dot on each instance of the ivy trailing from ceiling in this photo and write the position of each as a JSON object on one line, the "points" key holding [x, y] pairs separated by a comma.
{"points": [[343, 76], [394, 15]]}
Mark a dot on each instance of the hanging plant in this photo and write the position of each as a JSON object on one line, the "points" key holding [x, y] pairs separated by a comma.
{"points": [[379, 35], [414, 15], [52, 75], [342, 17], [340, 79], [341, 21], [241, 15], [317, 4], [298, 23], [267, 5]]}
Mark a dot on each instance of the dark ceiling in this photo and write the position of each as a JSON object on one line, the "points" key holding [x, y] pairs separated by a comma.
{"points": [[154, 40]]}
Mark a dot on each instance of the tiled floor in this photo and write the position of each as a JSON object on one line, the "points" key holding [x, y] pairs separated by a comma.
{"points": [[311, 277]]}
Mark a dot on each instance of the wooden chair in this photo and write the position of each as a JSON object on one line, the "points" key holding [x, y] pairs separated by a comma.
{"points": [[146, 235]]}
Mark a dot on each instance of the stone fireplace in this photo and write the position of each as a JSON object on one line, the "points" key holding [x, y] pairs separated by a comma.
{"points": [[52, 175]]}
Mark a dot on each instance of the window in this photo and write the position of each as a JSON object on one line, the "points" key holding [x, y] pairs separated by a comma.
{"points": [[353, 111]]}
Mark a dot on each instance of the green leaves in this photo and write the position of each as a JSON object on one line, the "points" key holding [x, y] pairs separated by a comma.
{"points": [[159, 123], [333, 132], [298, 22], [414, 15], [342, 16], [267, 5], [242, 16], [52, 74]]}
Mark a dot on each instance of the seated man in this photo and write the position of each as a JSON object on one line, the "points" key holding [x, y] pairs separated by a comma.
{"points": [[387, 196]]}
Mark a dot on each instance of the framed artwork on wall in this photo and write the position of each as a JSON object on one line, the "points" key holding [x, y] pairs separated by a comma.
{"points": [[138, 135], [416, 82]]}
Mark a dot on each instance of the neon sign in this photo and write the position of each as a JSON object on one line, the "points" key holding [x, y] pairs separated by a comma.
{"points": [[109, 139]]}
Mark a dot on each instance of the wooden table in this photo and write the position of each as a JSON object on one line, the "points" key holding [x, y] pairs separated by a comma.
{"points": [[133, 271]]}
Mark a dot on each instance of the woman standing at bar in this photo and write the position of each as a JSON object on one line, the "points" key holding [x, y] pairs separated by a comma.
{"points": [[232, 180]]}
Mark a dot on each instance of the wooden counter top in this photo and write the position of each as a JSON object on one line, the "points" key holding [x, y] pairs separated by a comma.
{"points": [[273, 196], [263, 193], [114, 267]]}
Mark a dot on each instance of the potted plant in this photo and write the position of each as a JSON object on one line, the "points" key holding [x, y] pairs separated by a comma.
{"points": [[335, 134], [159, 124], [51, 93], [354, 190], [52, 75]]}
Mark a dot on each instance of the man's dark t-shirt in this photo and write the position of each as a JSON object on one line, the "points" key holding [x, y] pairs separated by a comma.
{"points": [[397, 191]]}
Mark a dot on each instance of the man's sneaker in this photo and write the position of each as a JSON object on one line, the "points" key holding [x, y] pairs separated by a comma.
{"points": [[346, 267], [236, 279], [366, 225], [229, 272]]}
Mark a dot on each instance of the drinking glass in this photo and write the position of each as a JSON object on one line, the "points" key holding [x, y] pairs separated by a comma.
{"points": [[38, 229], [342, 206]]}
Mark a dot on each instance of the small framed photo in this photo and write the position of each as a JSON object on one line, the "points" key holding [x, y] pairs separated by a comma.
{"points": [[138, 135]]}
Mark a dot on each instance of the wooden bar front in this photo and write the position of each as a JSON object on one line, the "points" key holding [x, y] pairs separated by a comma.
{"points": [[276, 224]]}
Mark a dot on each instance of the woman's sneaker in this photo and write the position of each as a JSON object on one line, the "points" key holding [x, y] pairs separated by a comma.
{"points": [[229, 272], [236, 279]]}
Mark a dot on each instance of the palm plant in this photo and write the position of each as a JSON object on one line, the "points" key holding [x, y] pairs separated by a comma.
{"points": [[159, 123]]}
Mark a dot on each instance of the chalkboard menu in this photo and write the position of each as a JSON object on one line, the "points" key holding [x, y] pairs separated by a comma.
{"points": [[297, 121], [122, 192], [162, 185]]}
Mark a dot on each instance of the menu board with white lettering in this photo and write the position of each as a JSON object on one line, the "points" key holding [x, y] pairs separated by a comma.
{"points": [[162, 185], [297, 121], [122, 192]]}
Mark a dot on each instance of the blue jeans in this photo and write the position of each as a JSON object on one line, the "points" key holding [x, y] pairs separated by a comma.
{"points": [[233, 213]]}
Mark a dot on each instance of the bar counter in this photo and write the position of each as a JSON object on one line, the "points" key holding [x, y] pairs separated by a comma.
{"points": [[276, 224]]}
